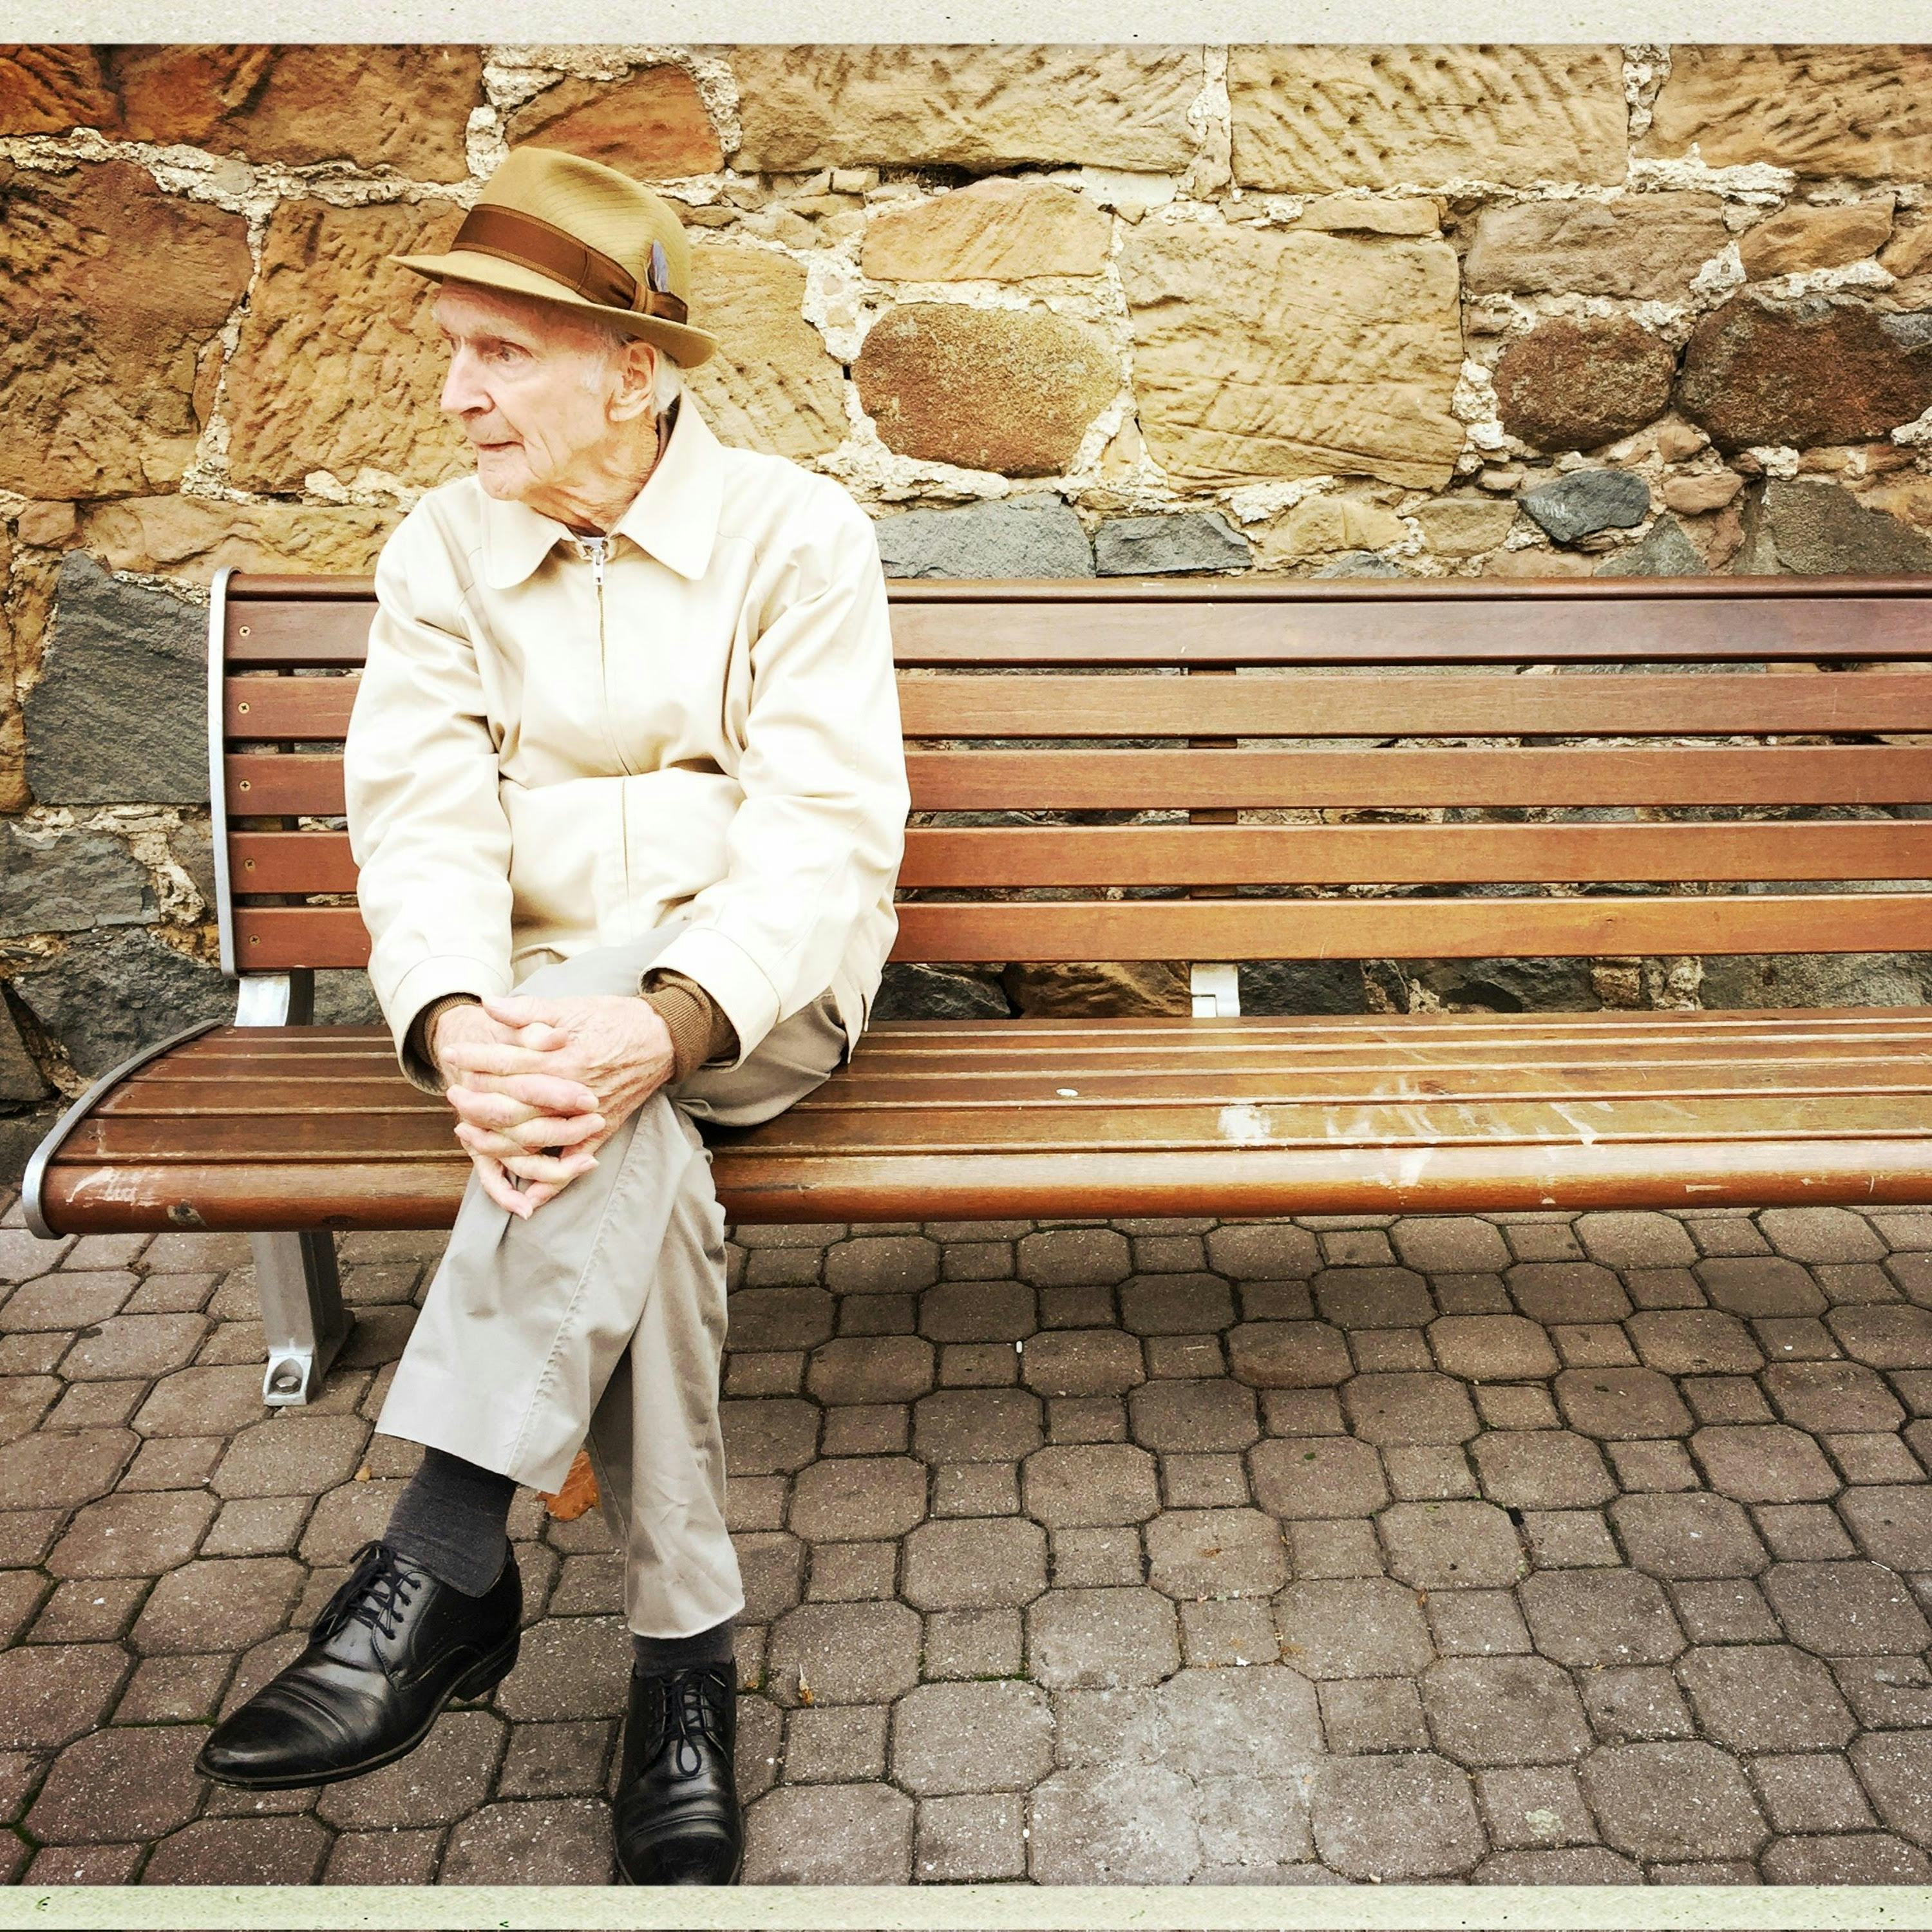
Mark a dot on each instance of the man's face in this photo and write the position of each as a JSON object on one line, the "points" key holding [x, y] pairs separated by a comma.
{"points": [[530, 387]]}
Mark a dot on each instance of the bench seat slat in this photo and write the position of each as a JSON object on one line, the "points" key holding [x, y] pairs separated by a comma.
{"points": [[1047, 706], [1212, 855], [1833, 1106], [271, 783]]}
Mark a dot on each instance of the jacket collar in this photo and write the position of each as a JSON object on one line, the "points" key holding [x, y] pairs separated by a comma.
{"points": [[674, 517]]}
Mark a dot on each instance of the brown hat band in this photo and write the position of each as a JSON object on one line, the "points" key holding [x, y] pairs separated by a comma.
{"points": [[535, 243]]}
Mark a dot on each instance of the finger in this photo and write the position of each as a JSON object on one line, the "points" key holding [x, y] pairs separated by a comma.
{"points": [[498, 1113], [513, 1153], [525, 1164], [496, 1185], [490, 1056], [519, 1010], [542, 1093], [538, 1192]]}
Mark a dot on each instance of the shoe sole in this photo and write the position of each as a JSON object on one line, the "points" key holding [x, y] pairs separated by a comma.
{"points": [[479, 1682]]}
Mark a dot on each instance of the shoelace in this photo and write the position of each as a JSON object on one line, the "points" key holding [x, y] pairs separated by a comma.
{"points": [[383, 1595], [687, 1718]]}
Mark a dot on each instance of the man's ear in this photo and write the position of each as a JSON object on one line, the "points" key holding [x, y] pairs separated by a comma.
{"points": [[636, 373]]}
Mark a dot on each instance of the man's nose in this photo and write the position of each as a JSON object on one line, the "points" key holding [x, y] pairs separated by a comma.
{"points": [[461, 391]]}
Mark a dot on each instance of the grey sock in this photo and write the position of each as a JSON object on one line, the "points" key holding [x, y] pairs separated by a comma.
{"points": [[452, 1518], [654, 1655]]}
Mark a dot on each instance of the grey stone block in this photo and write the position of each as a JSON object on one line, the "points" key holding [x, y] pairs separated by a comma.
{"points": [[1587, 500], [1155, 546], [119, 715], [70, 881], [110, 994], [1027, 536], [1665, 551]]}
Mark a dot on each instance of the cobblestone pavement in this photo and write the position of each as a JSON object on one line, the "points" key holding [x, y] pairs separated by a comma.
{"points": [[1536, 1548]]}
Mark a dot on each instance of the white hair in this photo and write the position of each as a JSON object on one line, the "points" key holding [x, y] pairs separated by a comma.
{"points": [[666, 382]]}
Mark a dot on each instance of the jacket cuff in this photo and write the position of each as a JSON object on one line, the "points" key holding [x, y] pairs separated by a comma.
{"points": [[419, 989], [736, 983], [419, 1064], [699, 1030]]}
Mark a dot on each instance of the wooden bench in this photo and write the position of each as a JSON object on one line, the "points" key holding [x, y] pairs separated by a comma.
{"points": [[1098, 752]]}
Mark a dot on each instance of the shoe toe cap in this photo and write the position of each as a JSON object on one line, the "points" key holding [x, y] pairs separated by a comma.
{"points": [[267, 1741]]}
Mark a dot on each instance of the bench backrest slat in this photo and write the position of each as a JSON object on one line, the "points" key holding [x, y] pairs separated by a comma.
{"points": [[1433, 705]]}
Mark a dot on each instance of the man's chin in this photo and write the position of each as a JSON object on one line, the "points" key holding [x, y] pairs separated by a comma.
{"points": [[501, 473]]}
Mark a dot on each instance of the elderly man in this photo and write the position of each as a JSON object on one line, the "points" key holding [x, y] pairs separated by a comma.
{"points": [[628, 741]]}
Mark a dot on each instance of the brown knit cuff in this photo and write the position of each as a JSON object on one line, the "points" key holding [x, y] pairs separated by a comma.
{"points": [[418, 1063], [698, 1028]]}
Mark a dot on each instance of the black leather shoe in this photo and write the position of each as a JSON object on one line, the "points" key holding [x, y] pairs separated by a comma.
{"points": [[392, 1647], [677, 1819]]}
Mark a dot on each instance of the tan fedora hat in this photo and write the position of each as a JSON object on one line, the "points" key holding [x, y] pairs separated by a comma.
{"points": [[572, 231]]}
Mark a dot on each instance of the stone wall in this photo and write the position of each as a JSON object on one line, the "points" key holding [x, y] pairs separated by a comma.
{"points": [[1465, 311]]}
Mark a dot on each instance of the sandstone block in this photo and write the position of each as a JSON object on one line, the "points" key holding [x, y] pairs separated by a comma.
{"points": [[193, 537], [339, 366], [1317, 118], [651, 125], [100, 356], [1708, 490], [1816, 370], [1800, 239], [1639, 246], [1023, 536], [1258, 354], [52, 90], [1464, 525], [1863, 111], [1077, 989], [1373, 214], [118, 715], [402, 107], [1319, 525], [979, 108], [1000, 389], [771, 385], [1577, 383], [996, 230]]}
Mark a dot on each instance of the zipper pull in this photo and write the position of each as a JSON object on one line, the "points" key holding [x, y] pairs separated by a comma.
{"points": [[599, 548]]}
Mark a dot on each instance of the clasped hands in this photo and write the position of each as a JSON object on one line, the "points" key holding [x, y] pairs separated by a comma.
{"points": [[539, 1085]]}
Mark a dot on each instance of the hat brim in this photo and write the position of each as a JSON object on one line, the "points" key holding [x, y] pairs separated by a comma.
{"points": [[686, 345]]}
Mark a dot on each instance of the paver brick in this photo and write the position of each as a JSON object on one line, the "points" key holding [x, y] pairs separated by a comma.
{"points": [[1216, 1552], [1100, 1640], [1755, 1285], [1075, 1257], [239, 1851], [1821, 1234], [1814, 1793], [445, 1779], [980, 1425], [871, 1368], [1176, 1304], [1544, 1469], [1449, 1244], [849, 1653], [1802, 1532], [1218, 1480], [128, 1782], [1373, 1297], [1264, 1251], [1893, 1524], [546, 1841], [67, 1300], [1114, 1825], [52, 1694], [1396, 1818], [953, 1738], [1371, 1627], [1688, 1341], [1764, 1697], [1847, 1610], [296, 1453], [780, 1317], [49, 1471], [1447, 1545], [1873, 1458], [1090, 1483], [557, 1760], [769, 1436], [1074, 1362], [132, 1535], [133, 1345], [1829, 1396], [1621, 1404], [1687, 1536], [1491, 1348], [836, 1744], [986, 1310], [1504, 1710], [1306, 1477], [1635, 1240], [855, 1498], [1894, 1336], [882, 1264], [979, 1838], [974, 1564], [1641, 1704], [1292, 1354], [1193, 1415], [1372, 1714], [1556, 1291], [1769, 1462], [1408, 1409], [1671, 1802], [1854, 1857], [1895, 1767]]}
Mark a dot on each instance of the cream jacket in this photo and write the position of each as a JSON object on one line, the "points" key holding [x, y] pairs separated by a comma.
{"points": [[550, 752]]}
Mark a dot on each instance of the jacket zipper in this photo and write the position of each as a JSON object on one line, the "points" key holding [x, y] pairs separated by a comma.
{"points": [[598, 549]]}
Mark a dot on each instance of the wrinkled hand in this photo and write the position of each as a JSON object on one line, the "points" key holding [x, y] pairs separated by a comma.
{"points": [[526, 1074]]}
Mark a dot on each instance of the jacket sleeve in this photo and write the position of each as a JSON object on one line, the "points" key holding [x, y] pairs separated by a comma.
{"points": [[427, 830], [816, 841]]}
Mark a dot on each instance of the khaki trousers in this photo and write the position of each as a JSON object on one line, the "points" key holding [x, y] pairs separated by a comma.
{"points": [[605, 1313]]}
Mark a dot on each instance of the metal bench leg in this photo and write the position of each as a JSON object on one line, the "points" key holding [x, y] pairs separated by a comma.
{"points": [[1216, 991], [302, 1314]]}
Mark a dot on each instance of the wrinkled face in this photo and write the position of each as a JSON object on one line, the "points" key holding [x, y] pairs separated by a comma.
{"points": [[531, 386]]}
